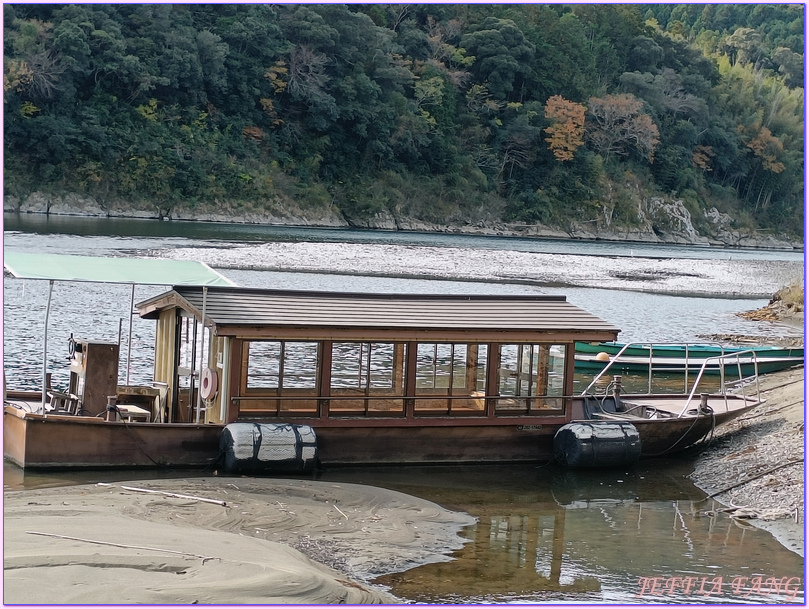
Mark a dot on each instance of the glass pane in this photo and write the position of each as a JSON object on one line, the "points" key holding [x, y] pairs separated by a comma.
{"points": [[456, 370], [263, 364], [508, 370], [347, 368], [556, 371], [531, 371], [360, 371], [300, 365], [386, 368], [469, 367], [527, 366], [433, 366]]}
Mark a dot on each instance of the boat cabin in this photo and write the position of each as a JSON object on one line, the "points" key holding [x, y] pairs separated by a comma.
{"points": [[323, 358]]}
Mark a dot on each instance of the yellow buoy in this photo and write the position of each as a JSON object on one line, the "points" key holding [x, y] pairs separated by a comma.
{"points": [[603, 357]]}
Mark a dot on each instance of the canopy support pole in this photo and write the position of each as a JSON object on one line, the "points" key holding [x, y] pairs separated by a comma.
{"points": [[129, 341], [201, 354], [45, 350]]}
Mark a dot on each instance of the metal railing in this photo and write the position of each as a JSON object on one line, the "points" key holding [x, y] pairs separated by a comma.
{"points": [[735, 359]]}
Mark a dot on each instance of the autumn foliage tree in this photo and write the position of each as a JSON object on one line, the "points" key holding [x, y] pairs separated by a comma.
{"points": [[620, 125], [767, 147], [566, 132]]}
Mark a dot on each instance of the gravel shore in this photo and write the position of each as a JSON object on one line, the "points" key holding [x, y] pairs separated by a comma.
{"points": [[704, 277], [755, 465]]}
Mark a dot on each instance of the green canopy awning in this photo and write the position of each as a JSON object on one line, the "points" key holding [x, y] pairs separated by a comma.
{"points": [[141, 271]]}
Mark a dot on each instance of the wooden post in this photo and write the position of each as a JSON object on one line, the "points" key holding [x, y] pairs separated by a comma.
{"points": [[410, 379], [471, 367], [324, 377], [398, 368], [543, 360], [492, 378], [238, 376]]}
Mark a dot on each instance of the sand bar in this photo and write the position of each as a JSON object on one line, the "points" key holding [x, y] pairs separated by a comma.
{"points": [[104, 544]]}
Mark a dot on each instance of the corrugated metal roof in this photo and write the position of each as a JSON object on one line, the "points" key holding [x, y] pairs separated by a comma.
{"points": [[246, 307]]}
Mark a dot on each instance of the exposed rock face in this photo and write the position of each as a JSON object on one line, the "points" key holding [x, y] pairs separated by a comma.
{"points": [[658, 220], [672, 221], [726, 233], [291, 216]]}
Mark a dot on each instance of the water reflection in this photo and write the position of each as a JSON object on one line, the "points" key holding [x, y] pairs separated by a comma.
{"points": [[552, 535]]}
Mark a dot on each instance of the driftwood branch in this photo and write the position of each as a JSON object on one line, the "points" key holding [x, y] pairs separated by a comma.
{"points": [[177, 495], [341, 511], [121, 545]]}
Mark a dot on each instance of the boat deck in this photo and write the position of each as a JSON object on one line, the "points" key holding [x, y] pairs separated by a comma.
{"points": [[32, 405], [639, 407]]}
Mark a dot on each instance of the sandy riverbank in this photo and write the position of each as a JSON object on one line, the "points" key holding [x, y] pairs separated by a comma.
{"points": [[268, 544]]}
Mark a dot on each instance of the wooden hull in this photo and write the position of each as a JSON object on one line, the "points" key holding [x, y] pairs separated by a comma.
{"points": [[669, 436], [431, 445], [52, 441]]}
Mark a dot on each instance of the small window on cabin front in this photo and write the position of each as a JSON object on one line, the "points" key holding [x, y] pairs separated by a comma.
{"points": [[282, 365]]}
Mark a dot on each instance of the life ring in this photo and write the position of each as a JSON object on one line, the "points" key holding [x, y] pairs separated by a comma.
{"points": [[208, 383]]}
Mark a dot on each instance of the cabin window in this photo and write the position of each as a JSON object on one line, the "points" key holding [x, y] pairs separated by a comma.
{"points": [[453, 375], [531, 379], [285, 369], [264, 365], [367, 377]]}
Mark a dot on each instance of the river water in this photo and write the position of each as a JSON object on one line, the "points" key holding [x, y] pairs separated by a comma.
{"points": [[543, 534]]}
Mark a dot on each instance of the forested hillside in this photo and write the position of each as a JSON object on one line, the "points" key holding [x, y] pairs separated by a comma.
{"points": [[536, 114]]}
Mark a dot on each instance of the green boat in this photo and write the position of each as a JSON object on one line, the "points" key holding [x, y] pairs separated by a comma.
{"points": [[677, 358]]}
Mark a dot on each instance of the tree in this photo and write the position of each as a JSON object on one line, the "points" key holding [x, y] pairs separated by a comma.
{"points": [[619, 124], [665, 92], [501, 54], [743, 46], [790, 65], [768, 149], [566, 133]]}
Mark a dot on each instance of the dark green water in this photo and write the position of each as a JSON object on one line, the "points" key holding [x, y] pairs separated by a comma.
{"points": [[246, 233]]}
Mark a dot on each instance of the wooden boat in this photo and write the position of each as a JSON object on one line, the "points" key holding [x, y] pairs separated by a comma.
{"points": [[678, 358], [668, 422], [375, 378]]}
